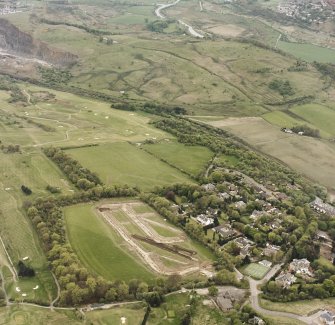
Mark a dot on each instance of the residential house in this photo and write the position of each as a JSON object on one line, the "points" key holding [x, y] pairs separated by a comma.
{"points": [[256, 321], [301, 267], [226, 231], [281, 196], [224, 303], [322, 207], [245, 245], [240, 205], [228, 297], [205, 220], [223, 196], [270, 250], [256, 214], [209, 187], [265, 263], [285, 279]]}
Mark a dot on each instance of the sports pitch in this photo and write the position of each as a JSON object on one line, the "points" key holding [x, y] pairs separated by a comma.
{"points": [[256, 271]]}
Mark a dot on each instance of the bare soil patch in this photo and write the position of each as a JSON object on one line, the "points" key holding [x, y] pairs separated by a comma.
{"points": [[152, 248], [228, 30]]}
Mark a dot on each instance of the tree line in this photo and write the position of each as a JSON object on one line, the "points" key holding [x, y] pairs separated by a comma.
{"points": [[255, 165]]}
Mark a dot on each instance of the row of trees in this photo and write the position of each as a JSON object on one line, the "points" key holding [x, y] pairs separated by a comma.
{"points": [[83, 178], [300, 291], [257, 166], [11, 148]]}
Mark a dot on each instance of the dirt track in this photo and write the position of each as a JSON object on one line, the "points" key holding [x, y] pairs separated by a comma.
{"points": [[152, 259]]}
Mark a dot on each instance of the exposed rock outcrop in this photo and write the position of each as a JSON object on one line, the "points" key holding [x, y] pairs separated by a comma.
{"points": [[15, 41]]}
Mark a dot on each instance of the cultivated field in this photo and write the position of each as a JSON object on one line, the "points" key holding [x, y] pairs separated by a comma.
{"points": [[111, 227]]}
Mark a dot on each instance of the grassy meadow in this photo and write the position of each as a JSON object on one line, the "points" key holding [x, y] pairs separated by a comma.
{"points": [[174, 308], [124, 163], [133, 315], [27, 315], [191, 159], [99, 247], [302, 307], [308, 52], [322, 117], [209, 77], [312, 157]]}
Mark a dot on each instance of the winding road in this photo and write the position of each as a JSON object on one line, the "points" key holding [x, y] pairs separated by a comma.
{"points": [[254, 297], [189, 27]]}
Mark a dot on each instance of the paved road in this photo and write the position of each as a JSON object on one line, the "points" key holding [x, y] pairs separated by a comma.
{"points": [[162, 7], [254, 296], [189, 27]]}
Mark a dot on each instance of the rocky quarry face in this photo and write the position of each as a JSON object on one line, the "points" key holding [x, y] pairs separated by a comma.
{"points": [[16, 42]]}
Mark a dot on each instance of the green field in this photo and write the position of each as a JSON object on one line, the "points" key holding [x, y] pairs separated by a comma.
{"points": [[133, 315], [123, 163], [45, 293], [322, 117], [302, 307], [28, 315], [99, 247], [191, 159], [256, 271], [312, 157], [176, 305], [282, 119], [308, 52]]}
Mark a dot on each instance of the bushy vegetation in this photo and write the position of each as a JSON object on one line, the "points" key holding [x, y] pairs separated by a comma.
{"points": [[54, 76], [284, 88], [308, 131], [16, 94], [327, 69], [83, 27], [151, 108], [26, 190], [251, 163], [11, 148], [25, 270], [158, 26]]}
